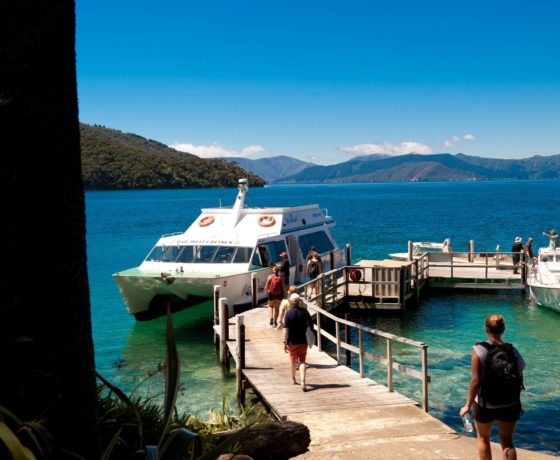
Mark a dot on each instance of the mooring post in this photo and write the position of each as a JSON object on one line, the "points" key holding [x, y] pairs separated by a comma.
{"points": [[216, 316], [471, 251], [410, 251], [389, 365], [347, 340], [524, 267], [240, 353], [348, 254], [425, 378], [224, 330], [319, 342], [254, 291]]}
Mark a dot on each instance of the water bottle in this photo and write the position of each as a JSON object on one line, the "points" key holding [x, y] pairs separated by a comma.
{"points": [[467, 423]]}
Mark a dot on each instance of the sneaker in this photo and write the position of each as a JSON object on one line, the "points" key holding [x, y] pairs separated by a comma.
{"points": [[271, 321], [275, 324]]}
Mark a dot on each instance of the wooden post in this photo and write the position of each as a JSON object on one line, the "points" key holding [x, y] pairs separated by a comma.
{"points": [[389, 365], [224, 330], [425, 377], [216, 317], [346, 281], [417, 282], [471, 251], [319, 341], [524, 266], [337, 329], [254, 290], [361, 347], [331, 255], [410, 251], [323, 293], [240, 362], [347, 340], [486, 266], [348, 254]]}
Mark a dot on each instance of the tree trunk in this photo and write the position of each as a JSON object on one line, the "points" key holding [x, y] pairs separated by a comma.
{"points": [[46, 349]]}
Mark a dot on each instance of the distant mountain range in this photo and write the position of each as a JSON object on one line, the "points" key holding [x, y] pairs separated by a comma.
{"points": [[425, 168], [112, 160], [273, 168]]}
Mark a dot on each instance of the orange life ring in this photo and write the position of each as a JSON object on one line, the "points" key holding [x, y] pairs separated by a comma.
{"points": [[266, 221], [355, 275], [206, 221]]}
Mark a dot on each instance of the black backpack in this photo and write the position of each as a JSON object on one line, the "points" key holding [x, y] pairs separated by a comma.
{"points": [[501, 380], [313, 269]]}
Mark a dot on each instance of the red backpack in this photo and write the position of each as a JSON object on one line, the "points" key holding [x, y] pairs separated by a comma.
{"points": [[275, 287]]}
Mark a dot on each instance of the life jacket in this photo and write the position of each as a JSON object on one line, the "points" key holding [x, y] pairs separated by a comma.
{"points": [[275, 287], [501, 379]]}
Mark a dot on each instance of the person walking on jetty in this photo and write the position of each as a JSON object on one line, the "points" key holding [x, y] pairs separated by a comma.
{"points": [[517, 250], [285, 268], [553, 236], [274, 289], [285, 306], [296, 322], [495, 389]]}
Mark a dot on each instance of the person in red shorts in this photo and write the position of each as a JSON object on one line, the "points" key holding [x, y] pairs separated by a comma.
{"points": [[296, 322]]}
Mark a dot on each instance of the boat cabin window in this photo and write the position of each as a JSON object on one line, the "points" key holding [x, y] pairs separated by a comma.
{"points": [[163, 254], [242, 256], [200, 254], [268, 254], [320, 240]]}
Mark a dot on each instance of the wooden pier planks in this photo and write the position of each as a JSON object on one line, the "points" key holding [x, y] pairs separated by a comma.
{"points": [[331, 387]]}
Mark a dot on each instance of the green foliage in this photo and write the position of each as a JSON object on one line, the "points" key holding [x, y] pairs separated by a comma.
{"points": [[113, 160]]}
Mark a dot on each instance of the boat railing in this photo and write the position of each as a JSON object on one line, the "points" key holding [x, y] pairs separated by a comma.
{"points": [[171, 234]]}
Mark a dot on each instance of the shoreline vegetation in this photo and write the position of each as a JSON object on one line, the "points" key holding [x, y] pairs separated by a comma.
{"points": [[113, 160]]}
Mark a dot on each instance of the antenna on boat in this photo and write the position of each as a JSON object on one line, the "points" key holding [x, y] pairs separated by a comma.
{"points": [[237, 210]]}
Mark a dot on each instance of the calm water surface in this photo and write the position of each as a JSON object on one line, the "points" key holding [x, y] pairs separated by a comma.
{"points": [[376, 219]]}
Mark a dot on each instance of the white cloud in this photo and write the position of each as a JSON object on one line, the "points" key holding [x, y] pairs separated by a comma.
{"points": [[313, 158], [452, 141], [387, 148], [456, 139], [216, 150]]}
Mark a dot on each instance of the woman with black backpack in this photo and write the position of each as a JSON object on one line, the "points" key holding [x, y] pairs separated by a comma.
{"points": [[495, 388]]}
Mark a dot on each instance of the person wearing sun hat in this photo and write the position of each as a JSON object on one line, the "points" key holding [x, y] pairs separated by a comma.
{"points": [[517, 250]]}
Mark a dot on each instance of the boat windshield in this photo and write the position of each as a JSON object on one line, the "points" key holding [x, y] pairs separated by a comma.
{"points": [[200, 254]]}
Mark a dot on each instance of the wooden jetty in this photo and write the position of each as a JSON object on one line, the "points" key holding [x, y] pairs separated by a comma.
{"points": [[349, 416]]}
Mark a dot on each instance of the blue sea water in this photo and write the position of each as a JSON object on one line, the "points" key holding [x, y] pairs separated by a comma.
{"points": [[377, 219]]}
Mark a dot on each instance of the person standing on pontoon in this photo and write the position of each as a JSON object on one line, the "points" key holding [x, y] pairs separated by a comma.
{"points": [[553, 236], [517, 250]]}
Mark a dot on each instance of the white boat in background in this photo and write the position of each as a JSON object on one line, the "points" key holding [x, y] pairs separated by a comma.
{"points": [[543, 279], [226, 247], [422, 247]]}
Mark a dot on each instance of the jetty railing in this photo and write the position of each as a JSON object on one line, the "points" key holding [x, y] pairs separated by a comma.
{"points": [[342, 342], [478, 263]]}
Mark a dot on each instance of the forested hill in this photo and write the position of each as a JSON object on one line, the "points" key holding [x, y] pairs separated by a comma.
{"points": [[113, 160]]}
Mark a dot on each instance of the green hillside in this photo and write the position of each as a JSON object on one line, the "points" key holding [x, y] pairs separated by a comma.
{"points": [[113, 160]]}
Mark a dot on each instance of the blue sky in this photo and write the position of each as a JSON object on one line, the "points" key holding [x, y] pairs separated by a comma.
{"points": [[324, 81]]}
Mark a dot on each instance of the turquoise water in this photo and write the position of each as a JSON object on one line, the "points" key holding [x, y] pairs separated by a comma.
{"points": [[376, 219]]}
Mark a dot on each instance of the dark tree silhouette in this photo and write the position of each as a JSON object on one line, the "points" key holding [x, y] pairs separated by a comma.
{"points": [[46, 349]]}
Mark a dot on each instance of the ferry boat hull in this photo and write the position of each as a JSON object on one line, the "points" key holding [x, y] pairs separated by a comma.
{"points": [[544, 279]]}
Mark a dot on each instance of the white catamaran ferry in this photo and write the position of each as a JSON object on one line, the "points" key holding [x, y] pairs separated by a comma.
{"points": [[225, 247]]}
